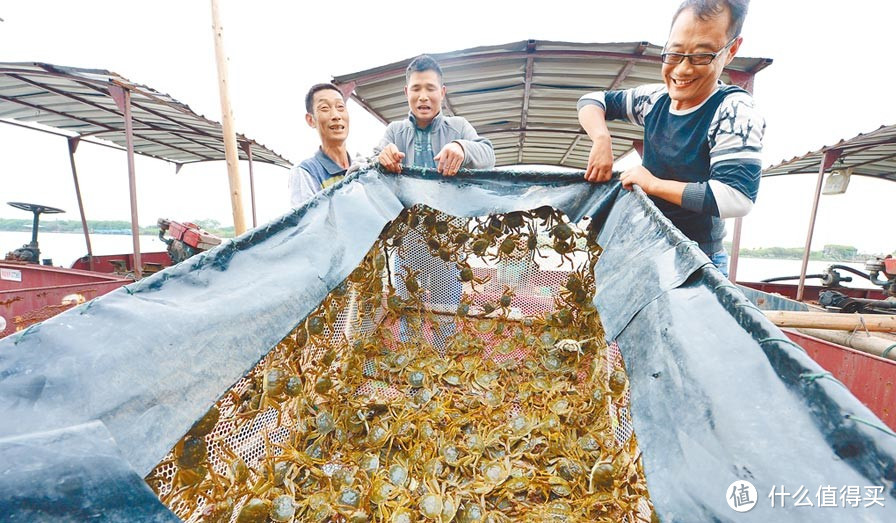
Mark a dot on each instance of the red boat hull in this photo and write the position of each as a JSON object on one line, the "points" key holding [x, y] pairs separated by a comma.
{"points": [[871, 379], [30, 293]]}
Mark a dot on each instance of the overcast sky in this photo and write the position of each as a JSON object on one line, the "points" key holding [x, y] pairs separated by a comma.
{"points": [[832, 78]]}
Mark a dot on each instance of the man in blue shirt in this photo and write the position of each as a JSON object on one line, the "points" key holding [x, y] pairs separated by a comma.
{"points": [[702, 138], [326, 112]]}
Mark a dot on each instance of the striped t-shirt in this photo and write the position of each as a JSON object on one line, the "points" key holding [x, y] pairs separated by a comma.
{"points": [[715, 148]]}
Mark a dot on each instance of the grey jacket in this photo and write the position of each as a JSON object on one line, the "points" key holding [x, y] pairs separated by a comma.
{"points": [[478, 151]]}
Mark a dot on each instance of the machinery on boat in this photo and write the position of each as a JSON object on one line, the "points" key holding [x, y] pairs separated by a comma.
{"points": [[881, 271], [106, 110]]}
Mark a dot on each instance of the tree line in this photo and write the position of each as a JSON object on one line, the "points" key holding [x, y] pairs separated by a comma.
{"points": [[830, 252], [104, 226]]}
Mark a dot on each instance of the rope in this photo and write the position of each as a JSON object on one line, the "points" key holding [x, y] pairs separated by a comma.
{"points": [[878, 426], [886, 351], [25, 333], [541, 176], [782, 340], [750, 305], [813, 377]]}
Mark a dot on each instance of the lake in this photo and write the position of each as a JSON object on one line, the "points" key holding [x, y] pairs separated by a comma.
{"points": [[65, 248]]}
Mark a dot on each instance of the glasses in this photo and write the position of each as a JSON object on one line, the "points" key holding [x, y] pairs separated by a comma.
{"points": [[695, 58]]}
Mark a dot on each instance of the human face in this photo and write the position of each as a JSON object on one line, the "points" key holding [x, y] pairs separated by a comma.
{"points": [[690, 85], [425, 92], [330, 117]]}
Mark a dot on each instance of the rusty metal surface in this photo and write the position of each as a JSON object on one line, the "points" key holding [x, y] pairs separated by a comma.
{"points": [[40, 293], [871, 379]]}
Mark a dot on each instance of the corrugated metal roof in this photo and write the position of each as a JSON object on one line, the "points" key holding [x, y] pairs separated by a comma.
{"points": [[522, 95], [871, 154], [81, 101]]}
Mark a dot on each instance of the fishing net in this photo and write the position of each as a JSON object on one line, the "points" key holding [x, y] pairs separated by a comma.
{"points": [[460, 373]]}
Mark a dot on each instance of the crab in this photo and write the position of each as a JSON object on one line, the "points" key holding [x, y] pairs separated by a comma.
{"points": [[466, 275]]}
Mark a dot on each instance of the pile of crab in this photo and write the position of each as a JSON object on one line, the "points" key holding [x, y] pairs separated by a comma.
{"points": [[382, 406]]}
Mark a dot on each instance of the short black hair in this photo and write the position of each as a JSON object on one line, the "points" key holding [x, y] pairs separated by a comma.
{"points": [[424, 62], [309, 98], [707, 9]]}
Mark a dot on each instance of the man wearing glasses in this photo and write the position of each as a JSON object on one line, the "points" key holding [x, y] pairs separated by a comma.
{"points": [[702, 138]]}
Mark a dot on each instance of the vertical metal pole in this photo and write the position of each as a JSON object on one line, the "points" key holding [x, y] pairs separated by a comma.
{"points": [[247, 146], [72, 147], [132, 184], [735, 250], [826, 162], [230, 152], [745, 80]]}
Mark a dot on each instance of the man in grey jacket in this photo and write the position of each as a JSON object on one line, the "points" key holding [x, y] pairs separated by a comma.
{"points": [[415, 140]]}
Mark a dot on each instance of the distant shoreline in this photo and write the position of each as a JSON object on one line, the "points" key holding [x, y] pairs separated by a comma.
{"points": [[103, 227], [830, 253]]}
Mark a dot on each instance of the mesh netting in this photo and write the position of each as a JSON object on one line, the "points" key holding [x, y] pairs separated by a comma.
{"points": [[460, 373]]}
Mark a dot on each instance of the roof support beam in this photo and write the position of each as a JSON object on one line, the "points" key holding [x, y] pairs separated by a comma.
{"points": [[372, 75], [346, 90], [246, 146], [874, 160], [108, 128], [627, 68], [367, 107], [449, 106], [122, 99], [72, 147], [572, 146], [140, 107], [527, 93], [826, 163]]}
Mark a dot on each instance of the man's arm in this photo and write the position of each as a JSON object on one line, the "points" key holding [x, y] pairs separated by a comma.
{"points": [[735, 158], [592, 118], [302, 186], [596, 108]]}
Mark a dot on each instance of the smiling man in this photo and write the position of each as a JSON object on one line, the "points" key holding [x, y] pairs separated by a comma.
{"points": [[702, 138], [325, 112], [415, 140]]}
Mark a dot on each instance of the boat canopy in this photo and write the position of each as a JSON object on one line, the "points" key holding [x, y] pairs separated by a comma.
{"points": [[89, 103], [870, 154], [522, 95]]}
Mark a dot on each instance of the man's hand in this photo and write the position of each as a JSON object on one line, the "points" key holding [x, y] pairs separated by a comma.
{"points": [[390, 158], [600, 161], [640, 176], [450, 158]]}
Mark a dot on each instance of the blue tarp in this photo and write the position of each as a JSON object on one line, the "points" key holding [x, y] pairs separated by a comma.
{"points": [[103, 391]]}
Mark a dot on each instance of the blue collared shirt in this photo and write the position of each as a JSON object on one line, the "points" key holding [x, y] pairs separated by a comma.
{"points": [[312, 176]]}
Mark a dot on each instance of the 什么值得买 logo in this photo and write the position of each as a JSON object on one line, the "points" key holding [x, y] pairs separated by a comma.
{"points": [[741, 496]]}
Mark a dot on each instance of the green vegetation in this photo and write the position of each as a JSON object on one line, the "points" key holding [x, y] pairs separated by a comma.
{"points": [[104, 227], [832, 252]]}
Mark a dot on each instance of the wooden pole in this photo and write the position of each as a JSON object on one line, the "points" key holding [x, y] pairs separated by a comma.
{"points": [[230, 150], [833, 321], [864, 342]]}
